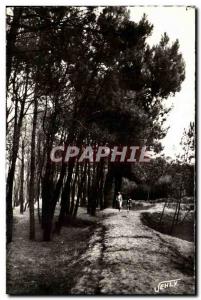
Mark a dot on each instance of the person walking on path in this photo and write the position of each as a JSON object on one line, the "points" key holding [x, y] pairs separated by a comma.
{"points": [[129, 204], [119, 201]]}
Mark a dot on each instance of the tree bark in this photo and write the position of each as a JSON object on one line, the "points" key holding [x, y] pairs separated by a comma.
{"points": [[21, 197], [32, 173], [108, 189], [11, 172], [65, 198], [72, 204], [11, 39]]}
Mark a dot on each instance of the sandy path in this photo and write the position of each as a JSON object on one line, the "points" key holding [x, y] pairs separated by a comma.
{"points": [[126, 257]]}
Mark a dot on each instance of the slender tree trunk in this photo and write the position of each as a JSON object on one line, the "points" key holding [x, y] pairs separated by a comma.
{"points": [[176, 214], [108, 189], [179, 205], [95, 190], [59, 184], [84, 192], [11, 172], [116, 190], [57, 191], [88, 186], [16, 191], [101, 187], [148, 194], [47, 190], [174, 218], [80, 190], [178, 211], [21, 197], [40, 160], [27, 184], [32, 173], [11, 39], [65, 198], [162, 214], [72, 204], [38, 201], [93, 194]]}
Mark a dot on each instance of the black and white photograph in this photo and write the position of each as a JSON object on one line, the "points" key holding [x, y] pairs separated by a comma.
{"points": [[100, 150]]}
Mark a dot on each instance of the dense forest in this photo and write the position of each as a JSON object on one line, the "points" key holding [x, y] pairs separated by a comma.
{"points": [[88, 76]]}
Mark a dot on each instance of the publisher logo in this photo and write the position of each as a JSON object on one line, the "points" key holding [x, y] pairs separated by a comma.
{"points": [[96, 153], [166, 284]]}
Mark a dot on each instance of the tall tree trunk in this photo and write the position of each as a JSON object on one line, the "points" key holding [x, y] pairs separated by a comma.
{"points": [[176, 213], [59, 184], [108, 189], [40, 161], [21, 197], [162, 214], [148, 194], [27, 183], [88, 186], [72, 204], [80, 190], [47, 190], [11, 172], [101, 187], [32, 172], [50, 196], [65, 197], [179, 204], [38, 200], [94, 192], [84, 192], [117, 188], [11, 39], [16, 191]]}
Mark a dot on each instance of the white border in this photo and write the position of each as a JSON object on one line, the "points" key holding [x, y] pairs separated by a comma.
{"points": [[101, 3], [3, 4]]}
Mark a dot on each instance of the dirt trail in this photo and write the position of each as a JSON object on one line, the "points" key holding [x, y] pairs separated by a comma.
{"points": [[126, 257], [115, 255]]}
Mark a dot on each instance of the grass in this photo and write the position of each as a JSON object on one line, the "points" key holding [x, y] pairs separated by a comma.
{"points": [[183, 230], [46, 268]]}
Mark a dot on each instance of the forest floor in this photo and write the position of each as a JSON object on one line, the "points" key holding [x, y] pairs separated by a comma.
{"points": [[113, 253]]}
